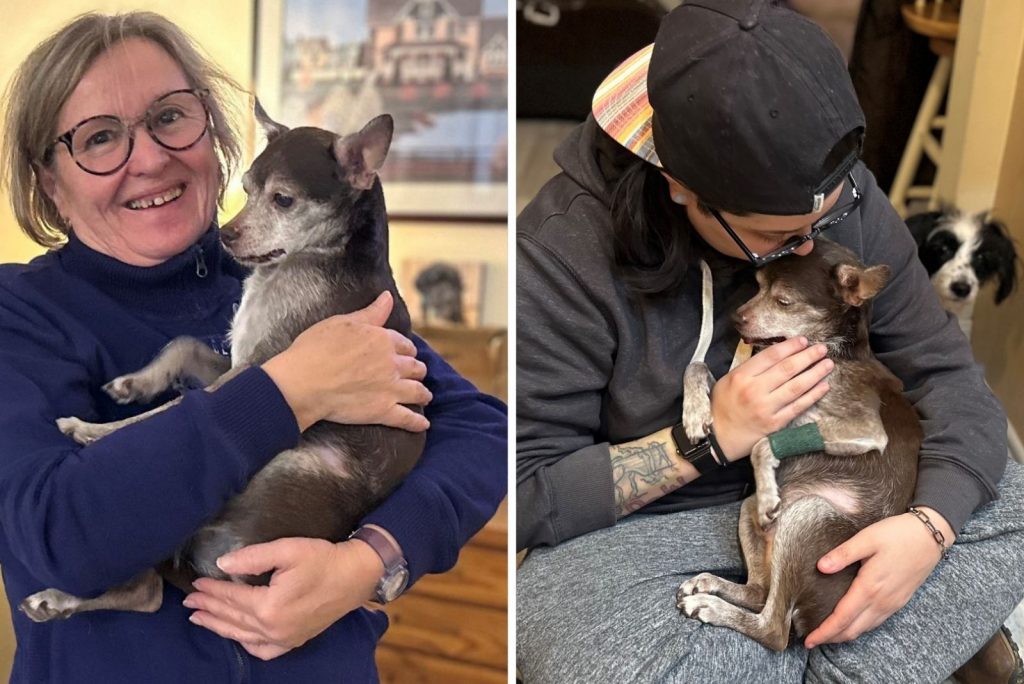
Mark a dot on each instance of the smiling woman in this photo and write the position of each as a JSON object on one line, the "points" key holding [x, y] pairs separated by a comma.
{"points": [[117, 145], [143, 197]]}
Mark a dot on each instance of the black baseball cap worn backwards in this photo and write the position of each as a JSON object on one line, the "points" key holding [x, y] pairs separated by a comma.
{"points": [[748, 104]]}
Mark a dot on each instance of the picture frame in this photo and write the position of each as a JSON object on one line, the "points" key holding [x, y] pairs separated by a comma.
{"points": [[439, 67], [435, 288]]}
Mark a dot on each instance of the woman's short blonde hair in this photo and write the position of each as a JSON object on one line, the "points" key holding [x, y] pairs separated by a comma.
{"points": [[46, 79]]}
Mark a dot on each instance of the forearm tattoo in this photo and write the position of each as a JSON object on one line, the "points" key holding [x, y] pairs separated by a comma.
{"points": [[642, 473]]}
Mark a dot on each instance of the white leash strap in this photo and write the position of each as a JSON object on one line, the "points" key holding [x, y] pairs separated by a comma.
{"points": [[707, 318]]}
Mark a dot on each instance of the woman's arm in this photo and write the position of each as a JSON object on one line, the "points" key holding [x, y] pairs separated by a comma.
{"points": [[83, 519], [86, 518], [459, 480], [451, 493]]}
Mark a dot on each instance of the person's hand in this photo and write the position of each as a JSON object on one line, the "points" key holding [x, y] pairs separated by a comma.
{"points": [[767, 391], [315, 583], [350, 369], [897, 554]]}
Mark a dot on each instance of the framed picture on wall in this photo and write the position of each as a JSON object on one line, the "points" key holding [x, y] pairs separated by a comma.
{"points": [[443, 293], [439, 67]]}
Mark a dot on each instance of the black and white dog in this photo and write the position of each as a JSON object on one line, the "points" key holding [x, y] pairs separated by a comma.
{"points": [[963, 252]]}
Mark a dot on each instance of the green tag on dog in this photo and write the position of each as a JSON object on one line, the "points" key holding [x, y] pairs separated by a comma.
{"points": [[796, 440]]}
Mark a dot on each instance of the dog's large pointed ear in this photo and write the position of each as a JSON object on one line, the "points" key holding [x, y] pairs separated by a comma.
{"points": [[857, 285], [361, 154], [270, 127]]}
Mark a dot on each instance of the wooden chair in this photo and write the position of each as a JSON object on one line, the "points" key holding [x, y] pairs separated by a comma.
{"points": [[939, 21]]}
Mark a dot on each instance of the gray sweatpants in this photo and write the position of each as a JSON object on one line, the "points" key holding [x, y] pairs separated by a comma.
{"points": [[601, 608]]}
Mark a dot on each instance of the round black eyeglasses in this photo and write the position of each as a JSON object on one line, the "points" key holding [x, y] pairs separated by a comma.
{"points": [[848, 202], [102, 144]]}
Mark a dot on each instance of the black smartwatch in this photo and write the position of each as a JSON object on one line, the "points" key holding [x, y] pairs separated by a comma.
{"points": [[703, 456]]}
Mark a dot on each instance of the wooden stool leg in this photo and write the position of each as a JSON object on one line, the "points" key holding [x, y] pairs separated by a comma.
{"points": [[922, 124]]}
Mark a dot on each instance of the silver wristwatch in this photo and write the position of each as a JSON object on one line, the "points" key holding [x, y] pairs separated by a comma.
{"points": [[396, 571]]}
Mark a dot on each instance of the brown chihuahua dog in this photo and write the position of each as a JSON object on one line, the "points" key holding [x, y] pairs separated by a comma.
{"points": [[806, 505]]}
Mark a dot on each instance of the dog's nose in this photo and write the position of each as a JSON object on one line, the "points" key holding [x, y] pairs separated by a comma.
{"points": [[961, 289], [739, 318]]}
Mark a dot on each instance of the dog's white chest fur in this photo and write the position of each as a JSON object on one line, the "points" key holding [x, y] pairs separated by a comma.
{"points": [[271, 296]]}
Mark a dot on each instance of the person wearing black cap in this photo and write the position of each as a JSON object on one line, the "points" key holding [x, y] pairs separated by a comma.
{"points": [[731, 141]]}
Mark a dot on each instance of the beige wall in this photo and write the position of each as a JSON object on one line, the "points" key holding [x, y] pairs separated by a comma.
{"points": [[983, 167], [224, 28]]}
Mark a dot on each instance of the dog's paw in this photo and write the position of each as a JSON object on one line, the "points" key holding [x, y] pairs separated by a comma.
{"points": [[82, 432], [51, 604], [704, 583], [134, 388], [694, 421], [703, 607], [696, 401], [768, 507]]}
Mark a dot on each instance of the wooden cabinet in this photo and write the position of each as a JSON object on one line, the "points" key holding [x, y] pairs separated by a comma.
{"points": [[452, 628], [479, 354]]}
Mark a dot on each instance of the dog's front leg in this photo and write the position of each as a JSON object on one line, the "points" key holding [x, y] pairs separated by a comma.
{"points": [[763, 460], [183, 359], [86, 433], [853, 435], [141, 594], [697, 385]]}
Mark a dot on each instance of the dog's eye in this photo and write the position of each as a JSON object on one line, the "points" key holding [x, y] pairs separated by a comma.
{"points": [[283, 201], [783, 301]]}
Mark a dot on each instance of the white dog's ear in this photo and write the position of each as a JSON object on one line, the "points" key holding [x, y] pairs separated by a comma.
{"points": [[857, 285], [271, 128], [360, 155]]}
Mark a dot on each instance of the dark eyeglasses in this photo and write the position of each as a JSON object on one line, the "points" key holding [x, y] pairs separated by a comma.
{"points": [[846, 204], [101, 145]]}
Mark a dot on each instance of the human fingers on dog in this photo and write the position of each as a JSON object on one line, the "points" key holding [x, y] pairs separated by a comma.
{"points": [[792, 366], [376, 312], [410, 391], [209, 608], [803, 391], [403, 345], [264, 651], [405, 419], [768, 358], [224, 628], [412, 369], [238, 596]]}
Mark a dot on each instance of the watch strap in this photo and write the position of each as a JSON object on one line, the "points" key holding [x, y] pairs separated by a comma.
{"points": [[382, 545], [396, 574], [700, 456]]}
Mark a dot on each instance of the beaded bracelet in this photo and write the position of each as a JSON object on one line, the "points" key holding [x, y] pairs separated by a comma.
{"points": [[936, 533]]}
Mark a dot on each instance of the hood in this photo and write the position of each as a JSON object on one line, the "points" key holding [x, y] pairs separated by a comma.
{"points": [[593, 160]]}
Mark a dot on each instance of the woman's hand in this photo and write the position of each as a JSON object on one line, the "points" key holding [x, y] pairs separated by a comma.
{"points": [[897, 554], [350, 369], [315, 583], [767, 391]]}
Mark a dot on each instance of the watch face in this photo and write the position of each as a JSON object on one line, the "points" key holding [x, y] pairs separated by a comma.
{"points": [[393, 584]]}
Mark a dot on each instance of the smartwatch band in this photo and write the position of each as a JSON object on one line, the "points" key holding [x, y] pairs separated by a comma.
{"points": [[703, 456]]}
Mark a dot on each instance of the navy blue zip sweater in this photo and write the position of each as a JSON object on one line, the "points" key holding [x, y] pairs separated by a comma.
{"points": [[83, 519]]}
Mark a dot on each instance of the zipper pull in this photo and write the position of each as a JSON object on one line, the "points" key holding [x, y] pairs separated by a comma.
{"points": [[201, 269]]}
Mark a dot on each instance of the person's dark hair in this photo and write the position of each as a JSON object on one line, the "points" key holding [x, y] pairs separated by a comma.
{"points": [[653, 238]]}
